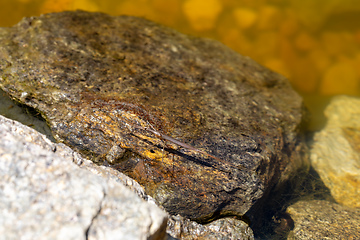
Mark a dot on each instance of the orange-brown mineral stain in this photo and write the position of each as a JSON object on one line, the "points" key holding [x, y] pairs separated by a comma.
{"points": [[154, 155]]}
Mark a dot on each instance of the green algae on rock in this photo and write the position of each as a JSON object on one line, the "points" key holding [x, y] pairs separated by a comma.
{"points": [[103, 82]]}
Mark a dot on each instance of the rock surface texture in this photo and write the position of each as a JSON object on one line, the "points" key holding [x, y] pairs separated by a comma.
{"points": [[44, 195], [120, 90], [335, 154], [224, 229], [319, 219]]}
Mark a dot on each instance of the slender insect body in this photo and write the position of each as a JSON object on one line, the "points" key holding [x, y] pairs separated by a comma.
{"points": [[134, 117]]}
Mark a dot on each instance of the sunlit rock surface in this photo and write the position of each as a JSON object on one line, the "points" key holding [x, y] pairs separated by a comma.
{"points": [[44, 195], [335, 154], [317, 219], [121, 89]]}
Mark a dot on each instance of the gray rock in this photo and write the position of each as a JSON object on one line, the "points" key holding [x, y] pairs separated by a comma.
{"points": [[106, 172], [319, 219], [224, 229], [335, 153], [44, 195]]}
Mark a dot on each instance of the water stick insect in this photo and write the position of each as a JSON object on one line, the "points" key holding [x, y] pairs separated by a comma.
{"points": [[134, 117], [181, 144]]}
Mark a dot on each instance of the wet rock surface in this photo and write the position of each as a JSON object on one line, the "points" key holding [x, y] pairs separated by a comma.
{"points": [[318, 219], [121, 89], [44, 195], [335, 154]]}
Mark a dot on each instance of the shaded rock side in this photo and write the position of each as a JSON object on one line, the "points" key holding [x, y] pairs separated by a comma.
{"points": [[44, 195], [317, 219], [118, 88], [335, 154]]}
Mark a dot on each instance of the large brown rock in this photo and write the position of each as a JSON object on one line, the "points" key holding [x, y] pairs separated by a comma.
{"points": [[114, 87]]}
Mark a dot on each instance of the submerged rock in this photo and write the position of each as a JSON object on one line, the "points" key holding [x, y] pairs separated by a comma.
{"points": [[44, 195], [335, 154], [317, 219], [206, 131]]}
